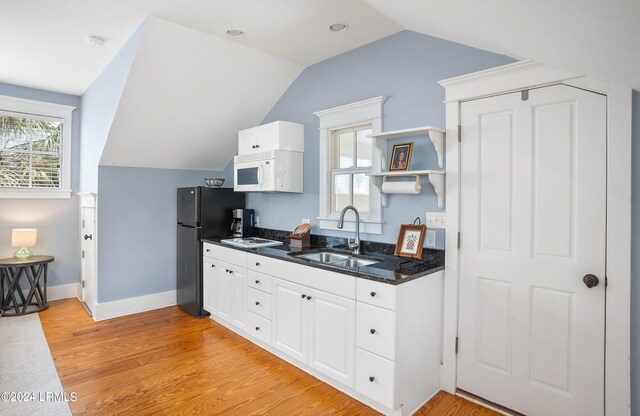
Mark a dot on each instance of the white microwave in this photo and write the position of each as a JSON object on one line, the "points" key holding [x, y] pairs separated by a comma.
{"points": [[274, 171]]}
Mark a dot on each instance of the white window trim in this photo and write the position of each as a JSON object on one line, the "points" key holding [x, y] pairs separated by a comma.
{"points": [[354, 114], [51, 110]]}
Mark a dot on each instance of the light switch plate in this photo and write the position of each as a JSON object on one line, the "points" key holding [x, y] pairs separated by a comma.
{"points": [[430, 239], [437, 220]]}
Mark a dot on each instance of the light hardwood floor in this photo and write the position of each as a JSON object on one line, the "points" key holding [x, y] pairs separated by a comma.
{"points": [[164, 362]]}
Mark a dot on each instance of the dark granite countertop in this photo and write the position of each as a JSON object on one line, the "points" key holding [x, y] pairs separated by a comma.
{"points": [[390, 269]]}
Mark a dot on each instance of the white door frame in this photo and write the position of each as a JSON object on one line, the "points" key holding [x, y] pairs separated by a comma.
{"points": [[530, 74], [89, 200]]}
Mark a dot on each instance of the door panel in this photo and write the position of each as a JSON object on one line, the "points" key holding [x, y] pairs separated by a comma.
{"points": [[88, 265], [222, 297], [290, 319], [533, 194], [332, 325], [239, 297]]}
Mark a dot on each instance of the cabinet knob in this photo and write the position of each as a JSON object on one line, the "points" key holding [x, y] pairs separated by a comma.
{"points": [[253, 147], [304, 296], [257, 146], [257, 264], [257, 282], [213, 265], [373, 331], [308, 297], [371, 379], [257, 303], [208, 251], [257, 328], [373, 294]]}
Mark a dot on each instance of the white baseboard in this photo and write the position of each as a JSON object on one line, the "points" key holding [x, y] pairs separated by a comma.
{"points": [[122, 307], [62, 291]]}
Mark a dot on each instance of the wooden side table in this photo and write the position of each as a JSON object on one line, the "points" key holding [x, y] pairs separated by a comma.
{"points": [[11, 271]]}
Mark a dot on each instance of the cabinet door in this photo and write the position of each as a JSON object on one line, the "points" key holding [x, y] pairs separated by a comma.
{"points": [[269, 137], [248, 140], [239, 297], [332, 334], [290, 319], [208, 285], [222, 287]]}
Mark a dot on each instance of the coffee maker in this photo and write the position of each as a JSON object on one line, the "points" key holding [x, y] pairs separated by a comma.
{"points": [[242, 223]]}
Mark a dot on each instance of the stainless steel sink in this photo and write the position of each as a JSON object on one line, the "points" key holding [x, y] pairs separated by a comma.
{"points": [[352, 263], [336, 260], [323, 257]]}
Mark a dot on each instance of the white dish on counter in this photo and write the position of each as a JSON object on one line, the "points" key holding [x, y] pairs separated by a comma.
{"points": [[252, 242]]}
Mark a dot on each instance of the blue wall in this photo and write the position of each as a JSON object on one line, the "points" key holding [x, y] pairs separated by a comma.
{"points": [[99, 105], [405, 68], [57, 220], [137, 229], [635, 260]]}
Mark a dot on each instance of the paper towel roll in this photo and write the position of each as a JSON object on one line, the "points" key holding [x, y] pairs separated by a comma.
{"points": [[401, 187]]}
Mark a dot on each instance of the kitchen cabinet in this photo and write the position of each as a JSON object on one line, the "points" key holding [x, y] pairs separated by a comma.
{"points": [[377, 342], [279, 135], [316, 328], [208, 285]]}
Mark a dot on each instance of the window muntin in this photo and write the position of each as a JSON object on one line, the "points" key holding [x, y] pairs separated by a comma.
{"points": [[30, 151], [352, 159]]}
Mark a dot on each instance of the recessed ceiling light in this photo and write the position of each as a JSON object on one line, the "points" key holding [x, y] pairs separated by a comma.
{"points": [[95, 41], [338, 27], [235, 33]]}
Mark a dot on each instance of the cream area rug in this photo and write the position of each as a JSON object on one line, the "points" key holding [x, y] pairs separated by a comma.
{"points": [[29, 383]]}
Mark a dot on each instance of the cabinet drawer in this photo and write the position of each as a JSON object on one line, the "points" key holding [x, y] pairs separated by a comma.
{"points": [[259, 281], [375, 377], [324, 280], [376, 330], [376, 294], [229, 255], [259, 327], [259, 302], [258, 263]]}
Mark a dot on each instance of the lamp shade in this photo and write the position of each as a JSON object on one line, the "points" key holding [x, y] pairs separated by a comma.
{"points": [[24, 237]]}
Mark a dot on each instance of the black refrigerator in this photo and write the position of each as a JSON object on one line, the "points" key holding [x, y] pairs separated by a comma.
{"points": [[202, 213]]}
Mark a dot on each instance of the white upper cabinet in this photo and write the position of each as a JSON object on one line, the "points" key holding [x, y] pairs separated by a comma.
{"points": [[279, 135]]}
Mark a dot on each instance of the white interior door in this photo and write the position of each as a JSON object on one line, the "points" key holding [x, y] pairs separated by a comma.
{"points": [[88, 260], [533, 212]]}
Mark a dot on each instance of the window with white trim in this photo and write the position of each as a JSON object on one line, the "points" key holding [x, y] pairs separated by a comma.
{"points": [[35, 143], [352, 152], [347, 158]]}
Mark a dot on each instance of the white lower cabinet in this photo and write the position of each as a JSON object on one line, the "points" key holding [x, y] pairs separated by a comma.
{"points": [[332, 333], [375, 377], [377, 342], [289, 319], [225, 291]]}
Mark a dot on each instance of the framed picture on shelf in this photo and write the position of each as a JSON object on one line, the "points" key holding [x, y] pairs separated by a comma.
{"points": [[410, 241], [401, 156]]}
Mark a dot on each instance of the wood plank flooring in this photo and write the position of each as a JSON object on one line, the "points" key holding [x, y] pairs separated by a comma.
{"points": [[164, 362]]}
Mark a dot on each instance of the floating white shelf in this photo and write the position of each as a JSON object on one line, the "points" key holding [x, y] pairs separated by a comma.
{"points": [[436, 178], [435, 135]]}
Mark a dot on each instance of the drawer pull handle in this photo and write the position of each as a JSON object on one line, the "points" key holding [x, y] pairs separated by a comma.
{"points": [[371, 379], [373, 331], [308, 297], [304, 296], [257, 264], [257, 303], [373, 294], [257, 328], [257, 282]]}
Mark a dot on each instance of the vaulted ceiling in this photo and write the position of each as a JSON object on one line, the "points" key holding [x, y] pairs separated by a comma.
{"points": [[43, 43]]}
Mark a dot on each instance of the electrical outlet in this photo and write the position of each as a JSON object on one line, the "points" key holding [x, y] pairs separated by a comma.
{"points": [[257, 221], [306, 221], [430, 239], [437, 220]]}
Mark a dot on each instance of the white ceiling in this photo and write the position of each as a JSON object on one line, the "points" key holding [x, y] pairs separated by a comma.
{"points": [[186, 96], [43, 42]]}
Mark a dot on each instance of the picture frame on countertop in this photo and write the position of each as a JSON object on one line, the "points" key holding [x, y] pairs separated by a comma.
{"points": [[401, 156], [410, 241]]}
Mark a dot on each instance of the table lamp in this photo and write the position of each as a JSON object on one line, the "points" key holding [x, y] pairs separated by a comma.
{"points": [[23, 238]]}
